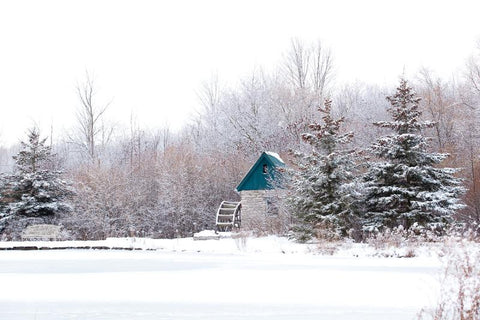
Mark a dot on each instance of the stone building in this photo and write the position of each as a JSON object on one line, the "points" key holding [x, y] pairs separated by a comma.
{"points": [[260, 193]]}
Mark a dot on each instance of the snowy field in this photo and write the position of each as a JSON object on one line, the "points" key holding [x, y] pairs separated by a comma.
{"points": [[266, 278]]}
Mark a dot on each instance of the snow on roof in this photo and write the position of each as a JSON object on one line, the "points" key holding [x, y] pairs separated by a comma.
{"points": [[275, 155]]}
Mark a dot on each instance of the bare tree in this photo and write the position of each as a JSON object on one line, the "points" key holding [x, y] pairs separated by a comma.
{"points": [[468, 141], [473, 71], [443, 106], [471, 214], [297, 64], [361, 105], [92, 127], [209, 96], [165, 136], [309, 67], [322, 68]]}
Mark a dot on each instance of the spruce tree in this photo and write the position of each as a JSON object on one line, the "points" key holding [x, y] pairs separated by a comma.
{"points": [[34, 189], [321, 193], [34, 156], [405, 185]]}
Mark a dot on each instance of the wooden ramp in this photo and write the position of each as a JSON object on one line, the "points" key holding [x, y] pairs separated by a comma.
{"points": [[228, 216]]}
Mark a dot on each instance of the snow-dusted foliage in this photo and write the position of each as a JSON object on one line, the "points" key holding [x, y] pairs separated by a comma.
{"points": [[459, 296], [265, 111], [154, 194], [322, 189], [33, 190], [34, 155], [405, 185]]}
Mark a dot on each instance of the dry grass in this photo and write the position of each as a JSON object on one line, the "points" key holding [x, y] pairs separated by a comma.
{"points": [[241, 239], [397, 242], [460, 287]]}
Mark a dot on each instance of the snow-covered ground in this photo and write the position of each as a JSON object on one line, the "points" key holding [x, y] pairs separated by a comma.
{"points": [[265, 278]]}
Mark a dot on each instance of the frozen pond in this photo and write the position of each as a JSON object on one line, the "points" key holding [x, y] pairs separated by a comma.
{"points": [[104, 284]]}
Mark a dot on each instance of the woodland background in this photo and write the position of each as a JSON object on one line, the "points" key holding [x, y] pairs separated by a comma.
{"points": [[132, 181]]}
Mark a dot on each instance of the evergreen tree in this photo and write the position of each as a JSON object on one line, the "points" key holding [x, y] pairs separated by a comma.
{"points": [[33, 190], [405, 186], [321, 186], [34, 156]]}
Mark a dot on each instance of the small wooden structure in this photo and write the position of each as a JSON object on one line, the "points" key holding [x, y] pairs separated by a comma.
{"points": [[228, 216]]}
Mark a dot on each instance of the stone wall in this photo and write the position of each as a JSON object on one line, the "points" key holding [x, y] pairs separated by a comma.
{"points": [[253, 207], [261, 217]]}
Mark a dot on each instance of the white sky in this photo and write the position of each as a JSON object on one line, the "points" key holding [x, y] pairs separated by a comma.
{"points": [[150, 57]]}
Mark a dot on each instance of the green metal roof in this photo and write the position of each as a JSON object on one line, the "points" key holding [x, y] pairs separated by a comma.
{"points": [[256, 179]]}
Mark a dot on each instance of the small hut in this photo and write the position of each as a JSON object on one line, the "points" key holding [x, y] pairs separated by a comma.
{"points": [[259, 191]]}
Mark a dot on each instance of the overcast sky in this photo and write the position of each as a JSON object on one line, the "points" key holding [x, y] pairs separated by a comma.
{"points": [[150, 57]]}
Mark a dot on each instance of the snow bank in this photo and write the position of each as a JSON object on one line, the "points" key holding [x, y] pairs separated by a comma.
{"points": [[233, 244]]}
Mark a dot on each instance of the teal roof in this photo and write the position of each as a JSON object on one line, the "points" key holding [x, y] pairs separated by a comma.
{"points": [[256, 179]]}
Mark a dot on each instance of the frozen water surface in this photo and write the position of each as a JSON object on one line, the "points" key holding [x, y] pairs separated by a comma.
{"points": [[111, 284]]}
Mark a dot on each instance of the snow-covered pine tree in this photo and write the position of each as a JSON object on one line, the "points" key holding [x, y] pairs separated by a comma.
{"points": [[321, 181], [404, 186], [33, 190], [35, 156]]}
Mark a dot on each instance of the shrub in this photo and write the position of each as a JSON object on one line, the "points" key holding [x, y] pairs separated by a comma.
{"points": [[460, 287]]}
